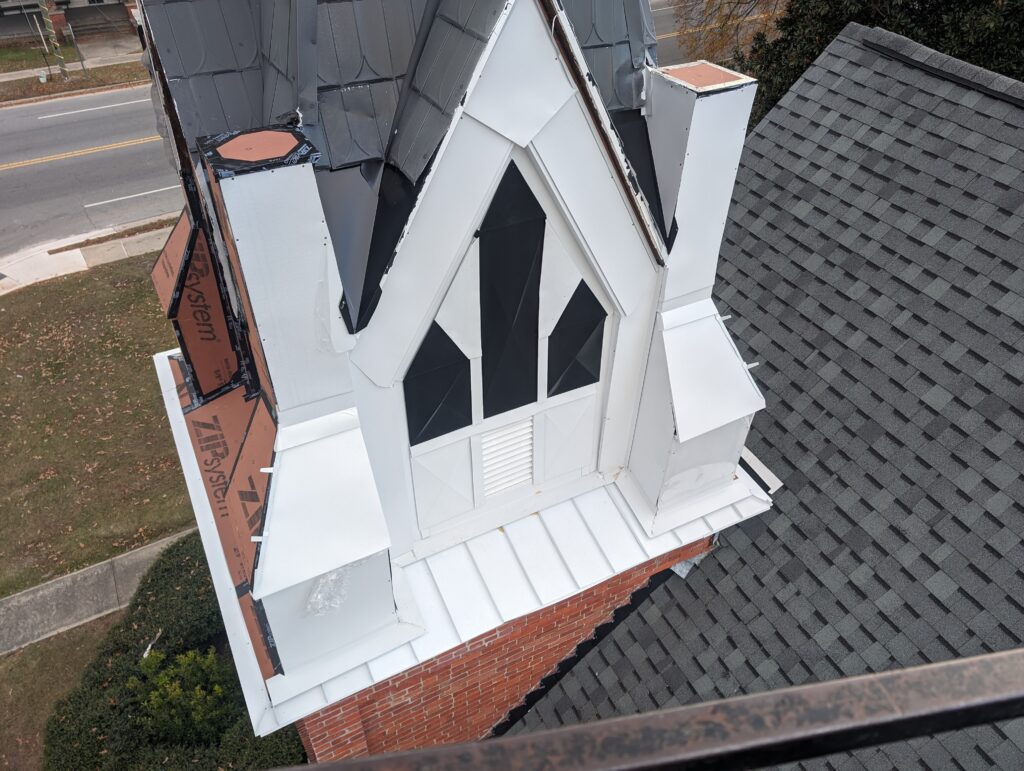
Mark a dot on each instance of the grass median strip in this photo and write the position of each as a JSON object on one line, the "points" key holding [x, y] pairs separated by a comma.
{"points": [[108, 75], [90, 470]]}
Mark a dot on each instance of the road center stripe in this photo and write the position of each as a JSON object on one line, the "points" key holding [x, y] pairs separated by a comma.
{"points": [[78, 153]]}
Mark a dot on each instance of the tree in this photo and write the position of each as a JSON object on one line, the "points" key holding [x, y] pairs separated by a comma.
{"points": [[716, 29], [988, 33]]}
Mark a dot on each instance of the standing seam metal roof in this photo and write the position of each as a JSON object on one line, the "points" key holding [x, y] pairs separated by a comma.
{"points": [[872, 263]]}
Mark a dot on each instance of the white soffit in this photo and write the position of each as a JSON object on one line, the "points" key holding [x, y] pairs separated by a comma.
{"points": [[710, 384], [323, 511], [459, 315], [559, 278], [522, 84], [278, 223]]}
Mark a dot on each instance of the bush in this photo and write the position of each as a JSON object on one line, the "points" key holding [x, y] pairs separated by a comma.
{"points": [[128, 713]]}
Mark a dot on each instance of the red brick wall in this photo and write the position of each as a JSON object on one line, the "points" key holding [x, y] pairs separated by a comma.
{"points": [[460, 695]]}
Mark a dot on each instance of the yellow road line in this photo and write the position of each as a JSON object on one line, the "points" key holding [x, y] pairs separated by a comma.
{"points": [[77, 153]]}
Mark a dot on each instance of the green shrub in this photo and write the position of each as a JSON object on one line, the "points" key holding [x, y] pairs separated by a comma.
{"points": [[128, 712], [191, 700]]}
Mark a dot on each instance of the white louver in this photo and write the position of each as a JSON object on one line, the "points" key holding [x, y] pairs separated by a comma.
{"points": [[508, 457]]}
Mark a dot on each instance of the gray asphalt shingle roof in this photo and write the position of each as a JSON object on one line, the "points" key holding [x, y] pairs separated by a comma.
{"points": [[874, 265]]}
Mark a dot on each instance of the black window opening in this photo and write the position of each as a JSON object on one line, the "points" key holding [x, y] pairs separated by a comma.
{"points": [[574, 347], [511, 247], [437, 388]]}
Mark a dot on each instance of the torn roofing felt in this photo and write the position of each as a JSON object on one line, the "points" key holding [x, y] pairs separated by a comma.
{"points": [[373, 84]]}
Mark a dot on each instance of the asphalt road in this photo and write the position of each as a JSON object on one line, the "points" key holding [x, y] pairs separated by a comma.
{"points": [[74, 165], [671, 43]]}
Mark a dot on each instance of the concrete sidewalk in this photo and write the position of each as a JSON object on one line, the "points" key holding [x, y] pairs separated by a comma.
{"points": [[44, 261], [74, 599], [101, 61]]}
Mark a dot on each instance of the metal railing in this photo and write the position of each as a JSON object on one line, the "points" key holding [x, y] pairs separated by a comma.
{"points": [[779, 726]]}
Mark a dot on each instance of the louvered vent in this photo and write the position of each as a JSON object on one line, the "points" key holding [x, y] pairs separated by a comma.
{"points": [[508, 457]]}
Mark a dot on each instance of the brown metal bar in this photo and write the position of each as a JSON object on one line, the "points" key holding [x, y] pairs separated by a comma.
{"points": [[750, 731]]}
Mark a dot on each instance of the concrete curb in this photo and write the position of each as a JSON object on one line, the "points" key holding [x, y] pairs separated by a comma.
{"points": [[77, 598], [37, 263]]}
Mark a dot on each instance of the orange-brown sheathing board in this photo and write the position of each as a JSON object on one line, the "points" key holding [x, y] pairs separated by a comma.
{"points": [[217, 430], [255, 345], [202, 323], [248, 488], [180, 386], [167, 268], [259, 644]]}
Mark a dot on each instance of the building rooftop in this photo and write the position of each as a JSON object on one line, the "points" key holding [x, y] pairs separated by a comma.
{"points": [[872, 264]]}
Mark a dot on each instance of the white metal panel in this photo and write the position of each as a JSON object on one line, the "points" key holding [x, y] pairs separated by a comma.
{"points": [[576, 544], [693, 531], [579, 169], [323, 512], [459, 314], [559, 277], [704, 462], [655, 429], [567, 438], [710, 383], [387, 445], [285, 253], [503, 573], [440, 633], [722, 518], [465, 595], [443, 478], [541, 560], [392, 662], [669, 111], [344, 685], [610, 530], [364, 600], [653, 545], [523, 82], [714, 144], [440, 231]]}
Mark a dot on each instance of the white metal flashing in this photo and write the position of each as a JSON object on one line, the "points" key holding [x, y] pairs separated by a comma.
{"points": [[323, 511], [710, 384]]}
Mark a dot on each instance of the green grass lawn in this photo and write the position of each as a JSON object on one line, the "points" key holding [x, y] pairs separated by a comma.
{"points": [[109, 75], [89, 467], [13, 58], [31, 682]]}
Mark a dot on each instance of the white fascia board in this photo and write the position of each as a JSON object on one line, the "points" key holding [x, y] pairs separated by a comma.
{"points": [[287, 257], [254, 690], [524, 83], [710, 384], [323, 511]]}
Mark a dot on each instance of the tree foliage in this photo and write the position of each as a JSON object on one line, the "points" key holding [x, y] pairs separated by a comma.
{"points": [[139, 711], [988, 33]]}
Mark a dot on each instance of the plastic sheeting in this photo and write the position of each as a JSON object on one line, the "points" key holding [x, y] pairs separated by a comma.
{"points": [[511, 249], [574, 348], [437, 388]]}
